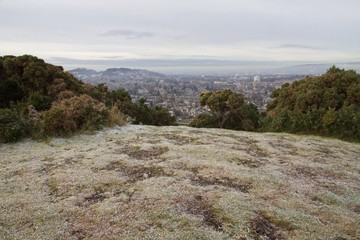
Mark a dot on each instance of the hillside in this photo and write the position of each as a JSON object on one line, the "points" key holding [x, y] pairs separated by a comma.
{"points": [[143, 182]]}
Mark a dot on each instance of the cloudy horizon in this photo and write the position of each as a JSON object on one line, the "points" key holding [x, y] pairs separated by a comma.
{"points": [[138, 31]]}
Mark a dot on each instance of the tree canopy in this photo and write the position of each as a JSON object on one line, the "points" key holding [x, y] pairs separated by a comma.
{"points": [[228, 110]]}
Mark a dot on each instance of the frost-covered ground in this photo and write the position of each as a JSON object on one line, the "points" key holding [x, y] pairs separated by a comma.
{"points": [[142, 182]]}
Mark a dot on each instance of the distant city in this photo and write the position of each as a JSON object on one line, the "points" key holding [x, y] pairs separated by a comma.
{"points": [[179, 94]]}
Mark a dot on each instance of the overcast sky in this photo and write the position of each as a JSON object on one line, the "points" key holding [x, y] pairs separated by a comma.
{"points": [[231, 30]]}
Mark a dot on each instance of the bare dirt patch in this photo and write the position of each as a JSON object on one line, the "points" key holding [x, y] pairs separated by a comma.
{"points": [[180, 139], [356, 209], [224, 182], [143, 154], [113, 165], [93, 198], [249, 162], [198, 205], [139, 173], [284, 146], [264, 229]]}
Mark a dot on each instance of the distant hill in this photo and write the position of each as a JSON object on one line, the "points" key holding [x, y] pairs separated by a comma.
{"points": [[316, 69], [115, 73], [83, 73], [144, 182]]}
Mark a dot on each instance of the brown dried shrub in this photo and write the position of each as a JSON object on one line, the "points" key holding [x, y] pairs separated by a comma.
{"points": [[116, 117], [77, 113]]}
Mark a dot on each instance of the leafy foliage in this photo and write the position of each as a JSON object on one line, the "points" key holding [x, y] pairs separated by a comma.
{"points": [[325, 105], [227, 110]]}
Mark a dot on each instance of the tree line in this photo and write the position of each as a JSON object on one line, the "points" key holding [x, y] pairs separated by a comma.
{"points": [[38, 99], [326, 105]]}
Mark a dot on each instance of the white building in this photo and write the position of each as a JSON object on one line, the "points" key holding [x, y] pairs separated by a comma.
{"points": [[257, 79]]}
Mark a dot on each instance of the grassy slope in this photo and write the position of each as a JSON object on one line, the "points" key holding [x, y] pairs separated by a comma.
{"points": [[142, 182]]}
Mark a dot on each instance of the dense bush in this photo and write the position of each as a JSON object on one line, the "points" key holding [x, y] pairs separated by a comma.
{"points": [[10, 92], [227, 110], [74, 114], [140, 112], [158, 116], [326, 105], [13, 126], [39, 99]]}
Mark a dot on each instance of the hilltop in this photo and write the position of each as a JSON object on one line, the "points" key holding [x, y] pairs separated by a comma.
{"points": [[146, 182]]}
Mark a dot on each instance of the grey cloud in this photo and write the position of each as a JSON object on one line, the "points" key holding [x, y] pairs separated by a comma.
{"points": [[129, 34], [177, 36], [298, 46], [113, 57]]}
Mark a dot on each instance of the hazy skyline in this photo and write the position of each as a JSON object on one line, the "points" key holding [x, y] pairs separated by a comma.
{"points": [[129, 31]]}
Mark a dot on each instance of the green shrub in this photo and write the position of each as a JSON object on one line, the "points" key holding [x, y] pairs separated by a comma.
{"points": [[13, 127], [327, 105], [39, 101], [158, 116], [205, 121]]}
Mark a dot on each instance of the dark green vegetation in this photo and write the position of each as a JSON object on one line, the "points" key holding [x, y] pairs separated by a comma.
{"points": [[227, 110], [327, 105], [38, 99]]}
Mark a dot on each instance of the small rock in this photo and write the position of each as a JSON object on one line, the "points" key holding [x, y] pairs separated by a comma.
{"points": [[142, 228]]}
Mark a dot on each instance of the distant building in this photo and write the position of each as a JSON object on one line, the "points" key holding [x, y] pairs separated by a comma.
{"points": [[257, 79]]}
